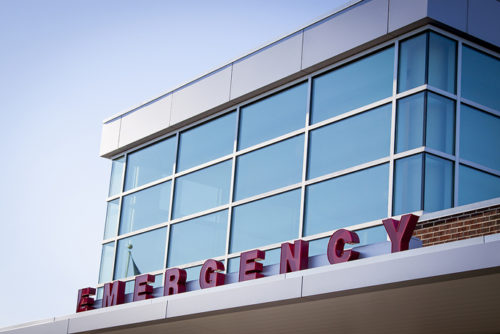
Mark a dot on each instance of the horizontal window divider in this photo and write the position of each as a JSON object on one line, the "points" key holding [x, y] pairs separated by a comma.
{"points": [[271, 141], [107, 241], [198, 263], [204, 165], [440, 154], [348, 170], [480, 167], [354, 228], [441, 92], [351, 113], [112, 198], [272, 92], [414, 151], [412, 91], [199, 214], [142, 230], [266, 194], [147, 185], [480, 106]]}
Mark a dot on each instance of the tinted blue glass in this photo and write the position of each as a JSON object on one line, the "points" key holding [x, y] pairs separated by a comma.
{"points": [[407, 185], [352, 86], [273, 116], [442, 62], [475, 186], [272, 257], [480, 137], [269, 168], [129, 285], [99, 293], [105, 272], [440, 125], [111, 219], [410, 122], [366, 236], [197, 239], [480, 77], [202, 190], [438, 183], [206, 142], [150, 163], [350, 142], [140, 254], [145, 208], [193, 273], [115, 183], [412, 54], [347, 200], [265, 221]]}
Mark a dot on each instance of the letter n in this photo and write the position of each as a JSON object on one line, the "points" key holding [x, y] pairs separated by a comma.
{"points": [[294, 256]]}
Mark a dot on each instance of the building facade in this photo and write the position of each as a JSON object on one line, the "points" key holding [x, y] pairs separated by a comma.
{"points": [[379, 110]]}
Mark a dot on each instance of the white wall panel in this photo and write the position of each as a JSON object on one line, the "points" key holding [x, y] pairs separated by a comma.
{"points": [[109, 136], [41, 327], [404, 12]]}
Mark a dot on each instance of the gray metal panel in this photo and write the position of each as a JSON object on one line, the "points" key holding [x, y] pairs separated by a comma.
{"points": [[450, 12], [202, 95], [38, 327], [145, 121], [109, 136], [118, 315], [346, 30], [266, 66], [404, 12], [484, 20], [264, 290]]}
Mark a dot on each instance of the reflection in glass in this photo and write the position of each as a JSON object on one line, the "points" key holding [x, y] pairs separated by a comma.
{"points": [[115, 183], [145, 208], [202, 190], [106, 270], [442, 62], [197, 239], [266, 221], [438, 183], [410, 122], [269, 168], [347, 200], [440, 123], [480, 137], [111, 219], [350, 142], [273, 116], [480, 77], [193, 273], [352, 86], [150, 163], [206, 142], [475, 186], [407, 185], [412, 53], [140, 254]]}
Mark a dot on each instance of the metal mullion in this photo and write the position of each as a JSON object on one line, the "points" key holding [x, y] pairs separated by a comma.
{"points": [[270, 142], [457, 123], [480, 107], [305, 158], [441, 92], [171, 204], [147, 185], [439, 154], [479, 167], [393, 128], [412, 91]]}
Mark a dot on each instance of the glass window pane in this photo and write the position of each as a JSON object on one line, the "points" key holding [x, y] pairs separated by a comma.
{"points": [[202, 190], [269, 168], [407, 185], [480, 137], [105, 272], [150, 163], [266, 221], [480, 78], [193, 273], [273, 116], [273, 256], [442, 62], [438, 183], [111, 219], [352, 86], [350, 142], [129, 285], [140, 254], [198, 239], [410, 122], [145, 208], [115, 183], [347, 200], [206, 142], [440, 127], [412, 54], [476, 186]]}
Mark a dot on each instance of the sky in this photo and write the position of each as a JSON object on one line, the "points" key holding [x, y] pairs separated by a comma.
{"points": [[65, 66]]}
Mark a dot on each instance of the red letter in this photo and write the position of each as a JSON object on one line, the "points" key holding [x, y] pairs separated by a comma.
{"points": [[294, 257], [400, 232], [249, 268], [335, 250], [175, 281], [114, 294], [210, 274], [142, 290], [85, 302]]}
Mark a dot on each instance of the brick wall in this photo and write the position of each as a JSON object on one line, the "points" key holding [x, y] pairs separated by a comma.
{"points": [[463, 225]]}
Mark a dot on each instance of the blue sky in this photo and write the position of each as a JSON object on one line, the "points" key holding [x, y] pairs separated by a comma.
{"points": [[64, 67]]}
